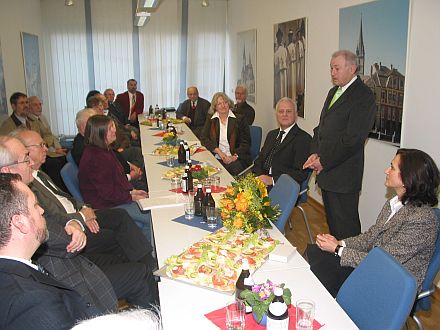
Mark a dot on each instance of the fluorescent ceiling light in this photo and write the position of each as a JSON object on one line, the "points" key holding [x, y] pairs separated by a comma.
{"points": [[141, 20], [150, 3], [68, 2], [142, 12]]}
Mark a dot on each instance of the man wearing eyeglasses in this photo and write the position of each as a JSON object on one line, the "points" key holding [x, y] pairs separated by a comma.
{"points": [[285, 149], [60, 255]]}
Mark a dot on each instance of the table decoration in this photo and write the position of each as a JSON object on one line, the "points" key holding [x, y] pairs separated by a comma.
{"points": [[169, 137], [199, 171], [246, 205], [260, 297], [218, 317], [166, 149], [197, 222]]}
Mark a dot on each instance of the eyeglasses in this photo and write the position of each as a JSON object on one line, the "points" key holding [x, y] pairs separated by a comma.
{"points": [[26, 160], [41, 145], [286, 112]]}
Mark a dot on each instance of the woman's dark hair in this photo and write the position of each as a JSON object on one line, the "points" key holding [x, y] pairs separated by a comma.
{"points": [[420, 176], [96, 131]]}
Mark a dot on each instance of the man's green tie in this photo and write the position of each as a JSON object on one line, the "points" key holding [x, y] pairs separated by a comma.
{"points": [[335, 97]]}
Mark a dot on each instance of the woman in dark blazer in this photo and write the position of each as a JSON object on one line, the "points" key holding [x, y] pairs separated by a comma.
{"points": [[227, 135], [102, 180]]}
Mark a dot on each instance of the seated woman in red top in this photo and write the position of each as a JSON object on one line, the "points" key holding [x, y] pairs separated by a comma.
{"points": [[102, 180]]}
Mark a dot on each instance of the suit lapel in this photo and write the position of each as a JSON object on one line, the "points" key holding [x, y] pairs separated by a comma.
{"points": [[289, 137], [48, 194]]}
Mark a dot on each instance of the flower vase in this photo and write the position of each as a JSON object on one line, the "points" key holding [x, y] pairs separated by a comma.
{"points": [[263, 319]]}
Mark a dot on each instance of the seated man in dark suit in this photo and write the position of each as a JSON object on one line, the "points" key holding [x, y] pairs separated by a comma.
{"points": [[127, 268], [285, 148], [30, 298], [241, 106], [194, 111]]}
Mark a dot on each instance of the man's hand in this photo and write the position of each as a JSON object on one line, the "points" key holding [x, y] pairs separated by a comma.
{"points": [[186, 119], [133, 116], [93, 225], [314, 163], [135, 172], [267, 180], [61, 151], [133, 135], [79, 239], [310, 161]]}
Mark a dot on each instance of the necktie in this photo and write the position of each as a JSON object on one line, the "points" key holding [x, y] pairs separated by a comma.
{"points": [[335, 97], [41, 269], [52, 187], [193, 105], [268, 160], [28, 124]]}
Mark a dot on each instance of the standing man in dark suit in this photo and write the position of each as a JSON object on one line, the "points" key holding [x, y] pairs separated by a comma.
{"points": [[285, 149], [131, 102], [241, 106], [31, 299], [194, 111], [337, 151]]}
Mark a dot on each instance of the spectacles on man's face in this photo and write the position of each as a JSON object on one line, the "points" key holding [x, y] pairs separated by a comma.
{"points": [[285, 112], [41, 145], [26, 160]]}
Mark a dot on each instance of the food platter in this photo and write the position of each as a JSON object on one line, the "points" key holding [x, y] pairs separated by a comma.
{"points": [[199, 171], [215, 261], [152, 122], [166, 149]]}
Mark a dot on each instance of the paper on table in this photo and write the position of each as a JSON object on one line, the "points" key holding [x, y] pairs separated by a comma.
{"points": [[160, 202]]}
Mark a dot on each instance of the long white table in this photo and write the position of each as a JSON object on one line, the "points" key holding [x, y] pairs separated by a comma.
{"points": [[184, 305]]}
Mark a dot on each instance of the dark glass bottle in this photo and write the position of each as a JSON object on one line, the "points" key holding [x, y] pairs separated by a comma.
{"points": [[198, 200], [244, 282], [181, 154], [190, 178], [207, 201], [150, 110], [278, 314], [187, 151]]}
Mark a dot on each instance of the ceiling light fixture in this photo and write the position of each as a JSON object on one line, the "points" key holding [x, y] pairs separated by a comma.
{"points": [[150, 3], [69, 3], [141, 17], [205, 3]]}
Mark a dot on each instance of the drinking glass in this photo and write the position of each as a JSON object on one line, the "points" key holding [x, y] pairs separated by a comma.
{"points": [[211, 216], [189, 209], [175, 183], [305, 314], [235, 313], [170, 160], [215, 183]]}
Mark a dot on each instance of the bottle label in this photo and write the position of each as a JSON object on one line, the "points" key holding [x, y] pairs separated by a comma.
{"points": [[277, 324], [277, 308]]}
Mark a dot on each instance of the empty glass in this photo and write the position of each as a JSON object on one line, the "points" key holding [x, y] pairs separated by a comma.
{"points": [[211, 216], [235, 315], [189, 209], [170, 160], [305, 314]]}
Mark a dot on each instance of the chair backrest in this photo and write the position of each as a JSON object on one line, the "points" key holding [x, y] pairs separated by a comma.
{"points": [[256, 135], [69, 158], [303, 189], [284, 193], [431, 272], [379, 293], [69, 173]]}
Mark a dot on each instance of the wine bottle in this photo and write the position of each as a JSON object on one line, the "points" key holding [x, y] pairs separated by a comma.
{"points": [[181, 154], [184, 183], [198, 200], [244, 282], [190, 178], [207, 201]]}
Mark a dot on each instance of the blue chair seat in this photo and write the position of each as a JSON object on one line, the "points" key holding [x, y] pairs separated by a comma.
{"points": [[69, 173]]}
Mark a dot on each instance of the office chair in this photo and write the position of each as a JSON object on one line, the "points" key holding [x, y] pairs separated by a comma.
{"points": [[423, 299], [284, 193], [69, 173], [379, 293]]}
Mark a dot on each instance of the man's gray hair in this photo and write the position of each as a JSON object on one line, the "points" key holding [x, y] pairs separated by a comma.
{"points": [[348, 55], [286, 99], [83, 115]]}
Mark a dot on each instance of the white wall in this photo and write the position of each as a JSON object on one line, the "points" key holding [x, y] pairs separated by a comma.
{"points": [[15, 17], [421, 110]]}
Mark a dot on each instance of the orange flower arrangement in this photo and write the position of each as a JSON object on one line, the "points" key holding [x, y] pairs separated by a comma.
{"points": [[246, 205]]}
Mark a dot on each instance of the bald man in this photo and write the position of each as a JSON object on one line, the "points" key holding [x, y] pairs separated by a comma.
{"points": [[194, 110]]}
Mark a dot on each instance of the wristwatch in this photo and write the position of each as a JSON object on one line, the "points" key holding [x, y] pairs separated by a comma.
{"points": [[337, 250]]}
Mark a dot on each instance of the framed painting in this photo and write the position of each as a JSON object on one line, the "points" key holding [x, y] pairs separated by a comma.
{"points": [[247, 62], [31, 61], [290, 62]]}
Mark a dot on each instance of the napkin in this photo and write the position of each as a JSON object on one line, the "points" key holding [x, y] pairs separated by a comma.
{"points": [[218, 317], [193, 162], [195, 222], [213, 190], [162, 133]]}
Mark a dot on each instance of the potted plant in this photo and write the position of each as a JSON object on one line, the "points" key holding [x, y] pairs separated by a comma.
{"points": [[260, 297]]}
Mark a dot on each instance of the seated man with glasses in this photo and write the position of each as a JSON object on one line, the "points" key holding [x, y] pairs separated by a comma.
{"points": [[285, 148]]}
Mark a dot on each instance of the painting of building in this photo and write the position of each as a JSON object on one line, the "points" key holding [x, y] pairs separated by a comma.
{"points": [[381, 38], [3, 104], [247, 55], [31, 58]]}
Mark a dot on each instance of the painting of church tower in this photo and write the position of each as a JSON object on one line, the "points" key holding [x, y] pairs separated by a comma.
{"points": [[247, 48], [376, 42]]}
